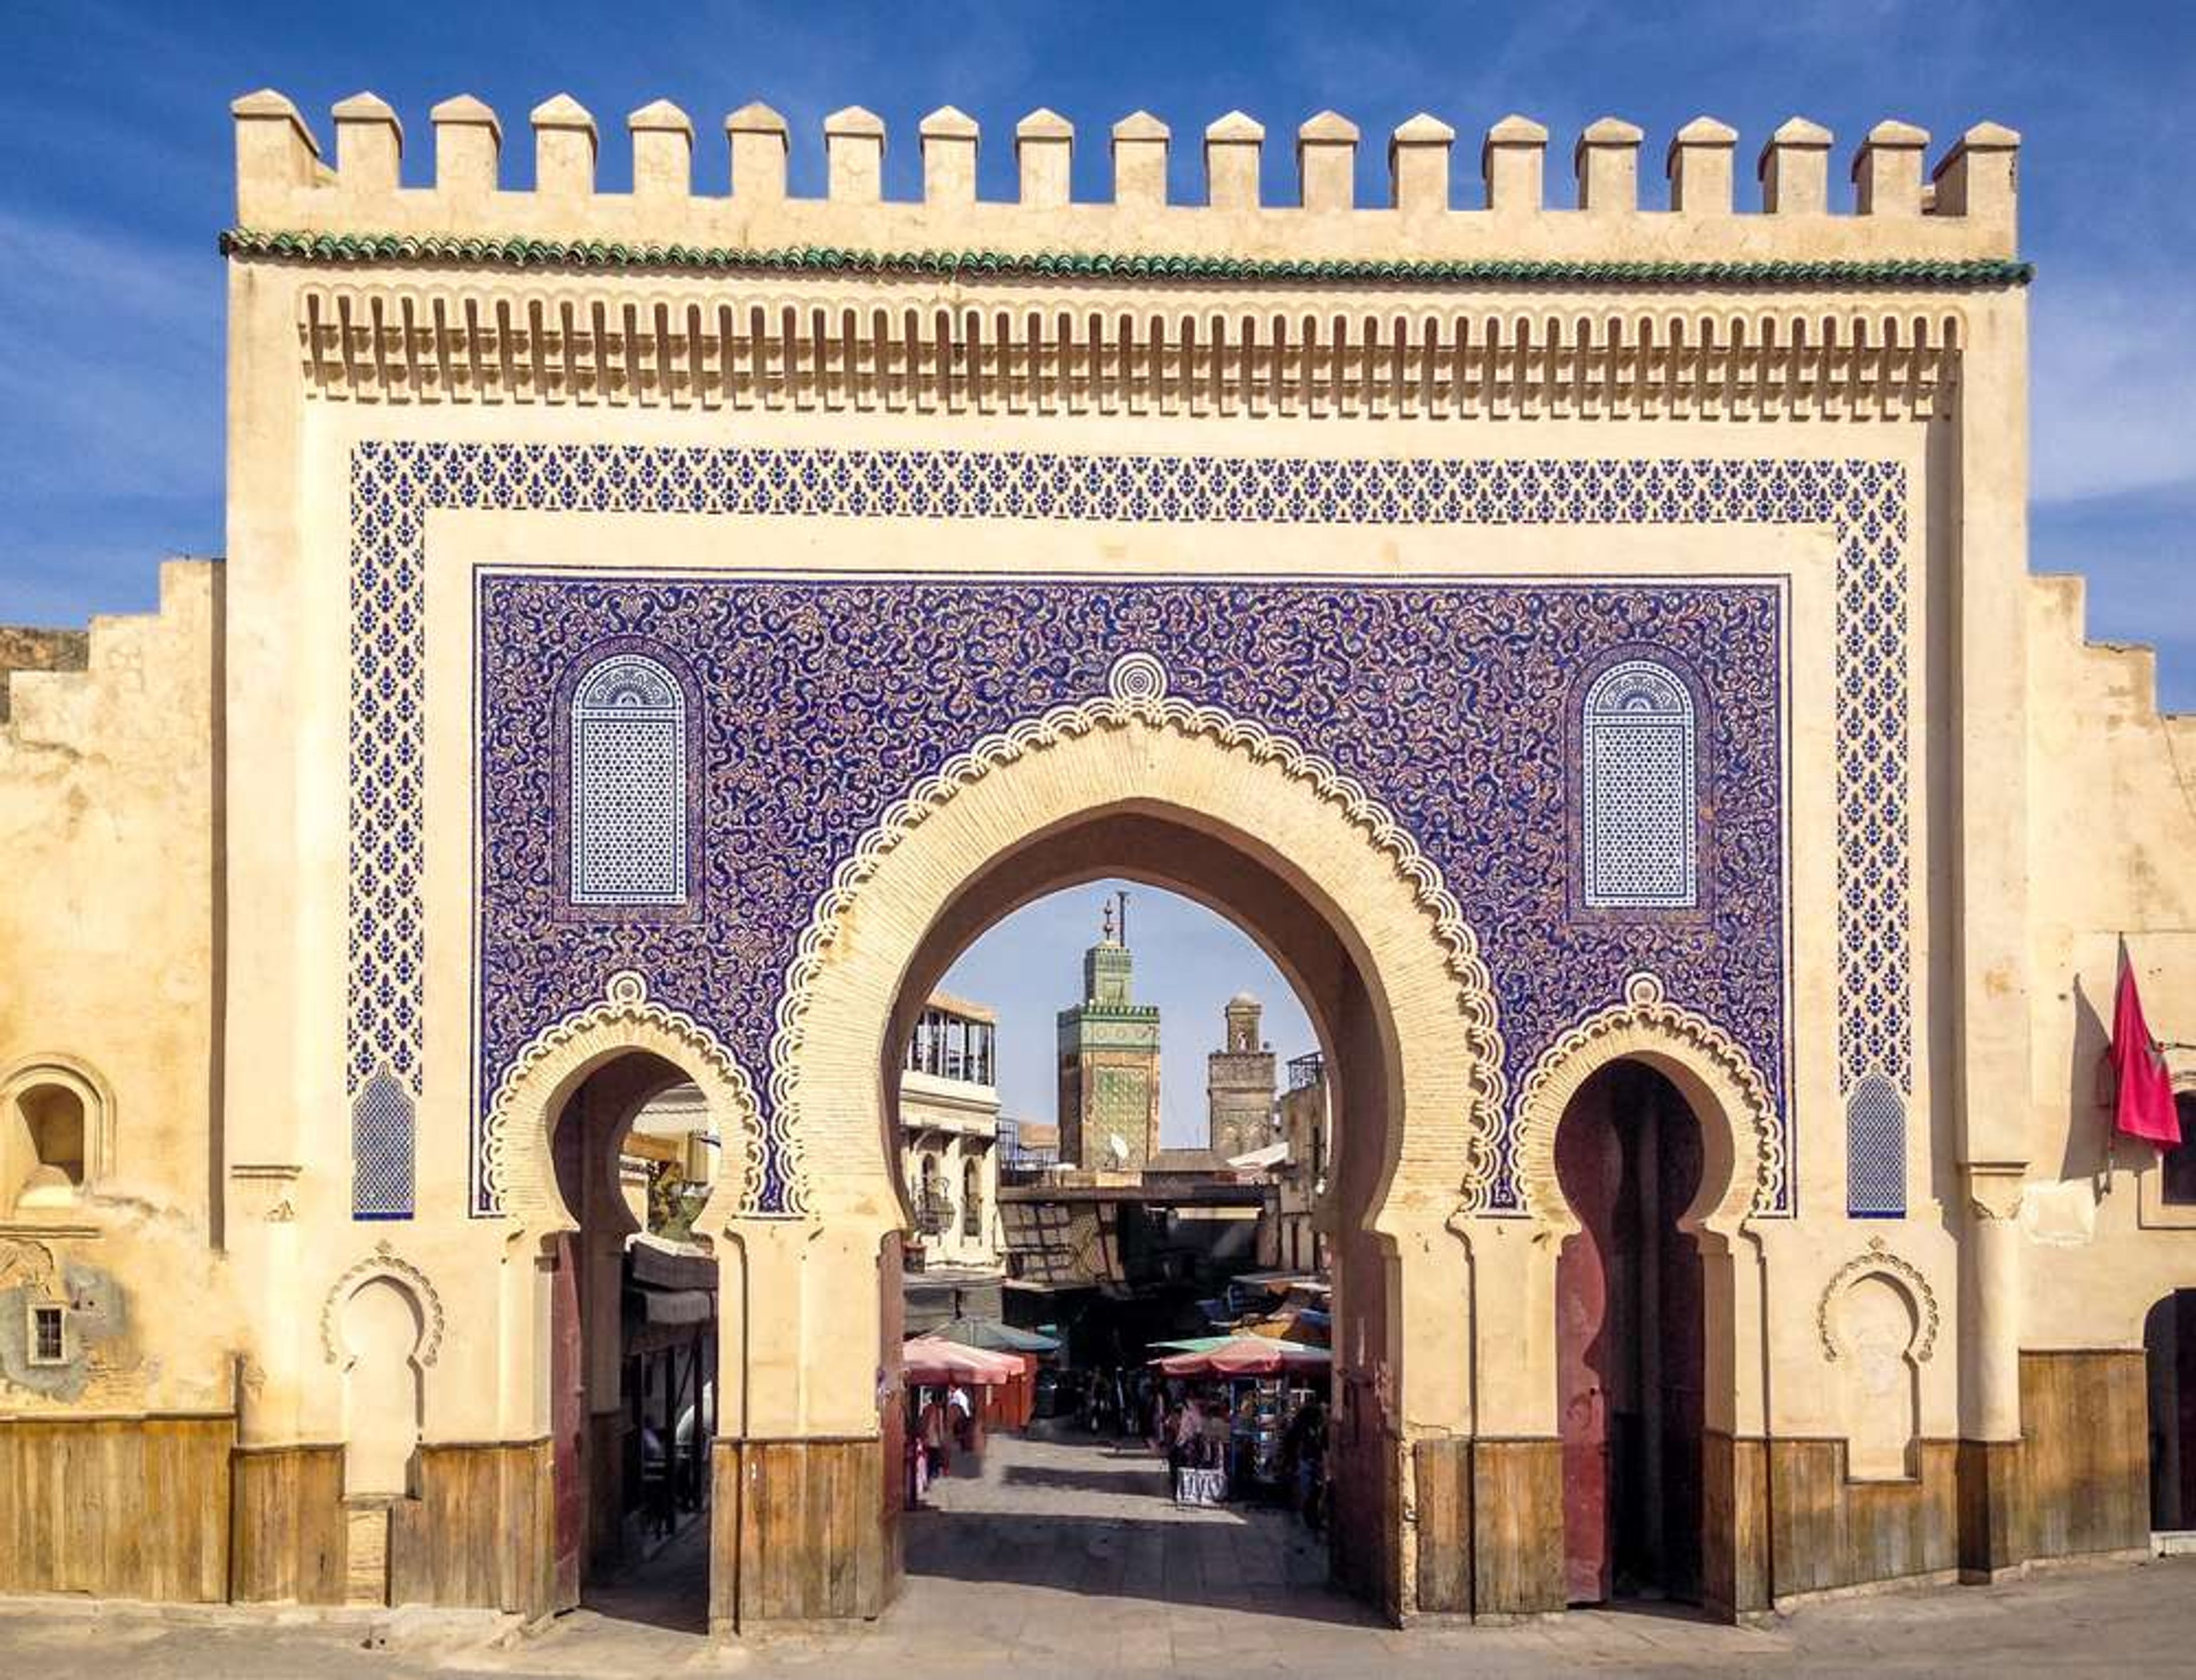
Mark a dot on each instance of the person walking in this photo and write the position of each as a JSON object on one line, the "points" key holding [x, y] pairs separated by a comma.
{"points": [[935, 1435]]}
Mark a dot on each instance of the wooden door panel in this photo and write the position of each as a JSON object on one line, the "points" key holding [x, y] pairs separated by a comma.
{"points": [[568, 1421], [1589, 1164]]}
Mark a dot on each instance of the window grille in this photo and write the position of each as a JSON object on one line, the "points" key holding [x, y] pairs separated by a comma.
{"points": [[1875, 1150], [1640, 822], [628, 789]]}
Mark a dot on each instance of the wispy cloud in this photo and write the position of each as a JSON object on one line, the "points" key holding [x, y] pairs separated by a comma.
{"points": [[2113, 383]]}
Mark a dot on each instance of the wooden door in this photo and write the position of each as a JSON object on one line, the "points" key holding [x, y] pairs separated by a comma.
{"points": [[1590, 1166]]}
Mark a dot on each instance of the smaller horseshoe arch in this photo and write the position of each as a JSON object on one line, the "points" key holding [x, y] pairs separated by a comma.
{"points": [[516, 1174], [1743, 1151]]}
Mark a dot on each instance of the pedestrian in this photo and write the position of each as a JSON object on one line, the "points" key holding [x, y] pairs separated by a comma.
{"points": [[934, 1435]]}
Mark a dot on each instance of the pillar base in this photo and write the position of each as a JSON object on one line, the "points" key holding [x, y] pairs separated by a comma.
{"points": [[801, 1532]]}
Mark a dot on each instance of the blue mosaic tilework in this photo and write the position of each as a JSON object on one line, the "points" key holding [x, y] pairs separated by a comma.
{"points": [[1875, 1150], [627, 784], [381, 1150], [395, 483], [1449, 701]]}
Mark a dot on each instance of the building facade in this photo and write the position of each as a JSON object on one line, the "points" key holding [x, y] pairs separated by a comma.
{"points": [[1302, 1116], [1109, 1063], [949, 1133], [1239, 1084], [1585, 636]]}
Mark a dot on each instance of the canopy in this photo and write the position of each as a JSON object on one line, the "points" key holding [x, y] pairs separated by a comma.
{"points": [[1246, 1356], [1301, 1325], [1003, 1338], [926, 1359]]}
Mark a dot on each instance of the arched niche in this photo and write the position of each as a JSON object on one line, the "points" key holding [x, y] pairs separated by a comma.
{"points": [[1877, 1330], [56, 1132], [381, 1327]]}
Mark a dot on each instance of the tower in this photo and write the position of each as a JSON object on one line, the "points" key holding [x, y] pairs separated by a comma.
{"points": [[1238, 1083], [1109, 1060]]}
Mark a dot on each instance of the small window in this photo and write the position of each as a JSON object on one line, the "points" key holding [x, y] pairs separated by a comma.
{"points": [[1638, 827], [972, 1200], [2176, 1167], [628, 785], [49, 1337]]}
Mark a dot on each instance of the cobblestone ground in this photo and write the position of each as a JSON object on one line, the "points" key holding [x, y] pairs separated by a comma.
{"points": [[1065, 1560]]}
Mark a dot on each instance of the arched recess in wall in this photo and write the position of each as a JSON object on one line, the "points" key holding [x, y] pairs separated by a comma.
{"points": [[1879, 1380], [383, 1327], [1878, 1322], [56, 1132]]}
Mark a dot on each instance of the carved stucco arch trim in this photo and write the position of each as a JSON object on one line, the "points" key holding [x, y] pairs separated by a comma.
{"points": [[515, 1166], [1646, 1027], [1877, 1258], [1137, 697], [384, 1262]]}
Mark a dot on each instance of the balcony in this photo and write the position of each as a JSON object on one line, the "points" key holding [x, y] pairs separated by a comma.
{"points": [[934, 1213]]}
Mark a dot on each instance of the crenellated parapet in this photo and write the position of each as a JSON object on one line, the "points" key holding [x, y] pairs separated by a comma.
{"points": [[1962, 211]]}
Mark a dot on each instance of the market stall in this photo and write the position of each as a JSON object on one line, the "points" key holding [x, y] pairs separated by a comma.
{"points": [[1256, 1386], [946, 1386]]}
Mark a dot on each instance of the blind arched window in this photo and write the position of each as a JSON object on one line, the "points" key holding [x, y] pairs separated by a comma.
{"points": [[628, 792], [1639, 829]]}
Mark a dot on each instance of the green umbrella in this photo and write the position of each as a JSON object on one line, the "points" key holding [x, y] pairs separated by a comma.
{"points": [[1205, 1344], [991, 1334]]}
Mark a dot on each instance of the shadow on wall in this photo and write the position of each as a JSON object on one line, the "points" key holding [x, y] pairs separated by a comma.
{"points": [[2088, 1134]]}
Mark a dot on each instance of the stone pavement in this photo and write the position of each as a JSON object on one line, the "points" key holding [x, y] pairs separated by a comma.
{"points": [[1065, 1560]]}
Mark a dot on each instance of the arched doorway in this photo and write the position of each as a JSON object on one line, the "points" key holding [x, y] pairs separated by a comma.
{"points": [[1336, 892], [2169, 1345], [631, 1343], [1147, 1230], [1714, 1103], [1167, 851], [1630, 1355]]}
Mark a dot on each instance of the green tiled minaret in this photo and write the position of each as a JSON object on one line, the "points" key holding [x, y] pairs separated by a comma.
{"points": [[1109, 1060]]}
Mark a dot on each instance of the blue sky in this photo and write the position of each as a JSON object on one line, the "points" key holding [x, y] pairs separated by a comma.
{"points": [[118, 161], [117, 175]]}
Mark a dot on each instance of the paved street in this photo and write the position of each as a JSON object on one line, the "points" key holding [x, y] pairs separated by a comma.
{"points": [[1067, 1560]]}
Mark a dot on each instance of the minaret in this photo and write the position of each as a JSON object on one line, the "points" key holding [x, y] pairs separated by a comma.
{"points": [[1109, 1060], [1238, 1083]]}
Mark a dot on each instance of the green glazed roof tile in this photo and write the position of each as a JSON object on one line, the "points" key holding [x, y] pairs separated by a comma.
{"points": [[1936, 274]]}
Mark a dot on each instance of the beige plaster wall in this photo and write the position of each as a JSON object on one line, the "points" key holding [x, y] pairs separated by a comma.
{"points": [[2112, 857], [110, 947]]}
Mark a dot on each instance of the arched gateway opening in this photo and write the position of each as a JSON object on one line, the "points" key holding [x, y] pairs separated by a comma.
{"points": [[629, 1364], [1140, 1238], [1630, 1341], [1336, 895]]}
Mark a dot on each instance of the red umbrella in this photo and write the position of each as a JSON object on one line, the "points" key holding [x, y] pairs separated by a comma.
{"points": [[1247, 1356], [926, 1359]]}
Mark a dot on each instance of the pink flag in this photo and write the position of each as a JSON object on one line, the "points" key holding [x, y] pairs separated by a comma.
{"points": [[2144, 1105]]}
